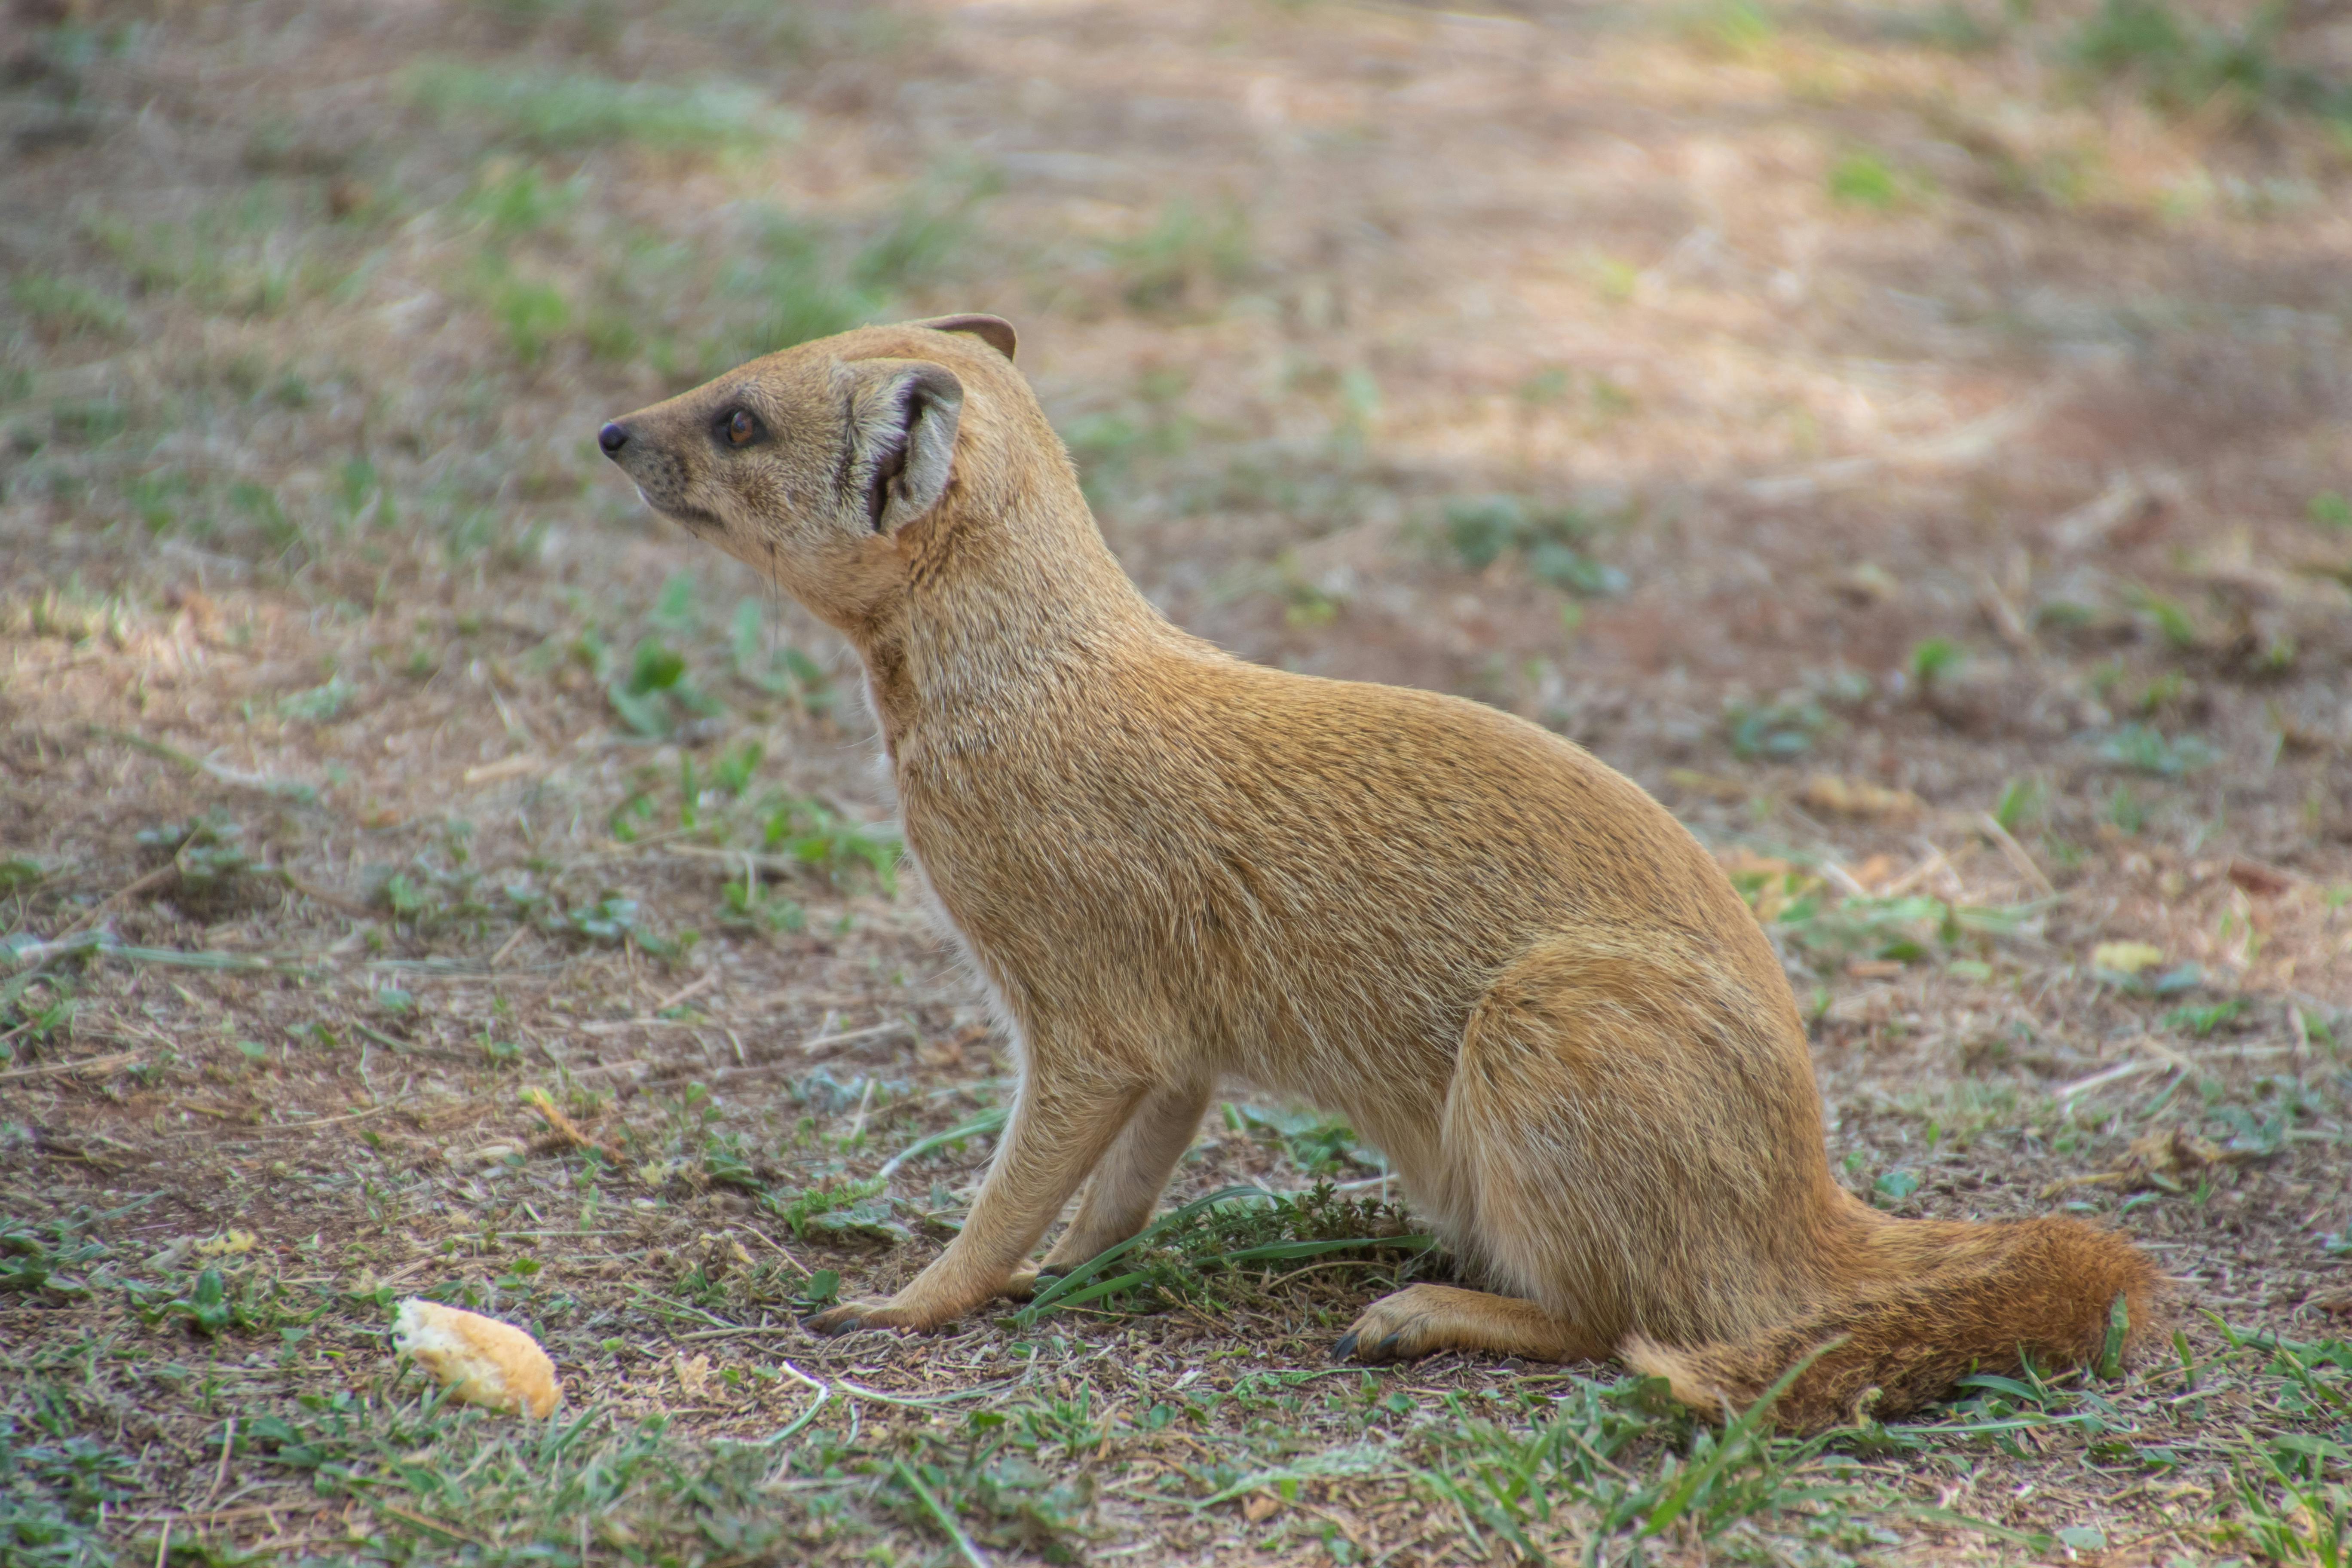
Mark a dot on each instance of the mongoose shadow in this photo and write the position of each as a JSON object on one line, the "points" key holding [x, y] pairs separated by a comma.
{"points": [[1502, 961]]}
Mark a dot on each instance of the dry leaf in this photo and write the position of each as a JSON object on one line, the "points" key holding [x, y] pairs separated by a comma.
{"points": [[227, 1244], [2263, 881], [1261, 1508], [693, 1375], [1868, 584], [718, 1253], [1714, 786], [1859, 797], [2178, 1150], [1874, 873], [2154, 1159], [2125, 957]]}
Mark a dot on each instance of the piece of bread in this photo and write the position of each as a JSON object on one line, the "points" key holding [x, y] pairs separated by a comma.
{"points": [[479, 1359]]}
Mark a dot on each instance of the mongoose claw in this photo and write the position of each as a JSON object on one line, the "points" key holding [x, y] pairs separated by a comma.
{"points": [[851, 1316], [1382, 1332], [1026, 1282], [1352, 1347]]}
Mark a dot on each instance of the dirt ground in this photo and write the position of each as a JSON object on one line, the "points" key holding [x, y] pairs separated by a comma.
{"points": [[1912, 441]]}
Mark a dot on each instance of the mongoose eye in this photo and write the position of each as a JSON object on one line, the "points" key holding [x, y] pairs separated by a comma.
{"points": [[741, 427]]}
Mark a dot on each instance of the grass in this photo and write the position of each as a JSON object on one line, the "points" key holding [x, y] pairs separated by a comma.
{"points": [[2184, 63], [561, 112], [1187, 258], [67, 307], [1547, 541], [2143, 748], [382, 1466], [1865, 179]]}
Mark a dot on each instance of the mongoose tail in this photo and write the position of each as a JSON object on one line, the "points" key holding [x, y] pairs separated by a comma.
{"points": [[1942, 1300]]}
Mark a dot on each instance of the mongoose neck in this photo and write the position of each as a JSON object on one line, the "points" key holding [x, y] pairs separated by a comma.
{"points": [[1009, 613]]}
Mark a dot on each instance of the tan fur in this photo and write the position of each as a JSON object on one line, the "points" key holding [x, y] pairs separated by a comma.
{"points": [[1504, 963]]}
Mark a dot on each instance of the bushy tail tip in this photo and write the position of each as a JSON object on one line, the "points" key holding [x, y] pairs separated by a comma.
{"points": [[1981, 1299]]}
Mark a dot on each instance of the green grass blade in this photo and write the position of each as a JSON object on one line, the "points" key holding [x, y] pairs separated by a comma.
{"points": [[1735, 1436], [946, 1520], [1078, 1277], [1281, 1251], [985, 1122]]}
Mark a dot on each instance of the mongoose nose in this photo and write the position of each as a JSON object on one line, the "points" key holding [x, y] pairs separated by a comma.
{"points": [[613, 437]]}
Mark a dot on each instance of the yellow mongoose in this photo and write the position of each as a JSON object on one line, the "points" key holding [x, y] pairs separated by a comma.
{"points": [[1506, 965]]}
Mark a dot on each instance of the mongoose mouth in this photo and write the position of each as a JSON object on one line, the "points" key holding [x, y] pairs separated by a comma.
{"points": [[652, 470], [692, 516]]}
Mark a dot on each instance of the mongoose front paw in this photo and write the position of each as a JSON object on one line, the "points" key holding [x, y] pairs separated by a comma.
{"points": [[870, 1313], [1026, 1283]]}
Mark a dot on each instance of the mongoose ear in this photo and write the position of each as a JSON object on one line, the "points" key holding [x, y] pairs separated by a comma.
{"points": [[905, 444], [994, 331]]}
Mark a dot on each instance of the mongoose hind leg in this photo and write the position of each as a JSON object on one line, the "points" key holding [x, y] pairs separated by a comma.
{"points": [[1423, 1318], [1632, 1140]]}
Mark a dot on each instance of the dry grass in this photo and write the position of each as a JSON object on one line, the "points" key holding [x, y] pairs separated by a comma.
{"points": [[1913, 441]]}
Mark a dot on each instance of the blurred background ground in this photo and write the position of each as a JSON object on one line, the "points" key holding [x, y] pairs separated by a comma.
{"points": [[1915, 441]]}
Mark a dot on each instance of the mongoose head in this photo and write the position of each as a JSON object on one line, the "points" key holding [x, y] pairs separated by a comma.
{"points": [[820, 465]]}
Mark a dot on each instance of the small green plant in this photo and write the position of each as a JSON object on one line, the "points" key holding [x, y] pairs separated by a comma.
{"points": [[2182, 64], [208, 853], [825, 841], [1772, 731], [1936, 659], [52, 1257], [616, 921], [2202, 1021], [839, 1211], [2173, 620], [2022, 803], [746, 902], [784, 671], [1186, 256], [320, 704], [2329, 509], [1733, 29], [67, 307], [654, 695], [1546, 540], [1905, 930], [1318, 1144], [530, 312], [2149, 751], [2125, 810], [266, 514], [1863, 179], [515, 199]]}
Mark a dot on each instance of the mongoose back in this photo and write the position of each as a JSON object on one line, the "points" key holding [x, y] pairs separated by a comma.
{"points": [[1509, 967]]}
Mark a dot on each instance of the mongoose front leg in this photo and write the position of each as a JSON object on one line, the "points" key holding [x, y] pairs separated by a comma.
{"points": [[1422, 1319], [1058, 1132], [1120, 1197]]}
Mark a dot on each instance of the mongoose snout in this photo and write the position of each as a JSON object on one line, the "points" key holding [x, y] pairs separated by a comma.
{"points": [[1506, 964]]}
